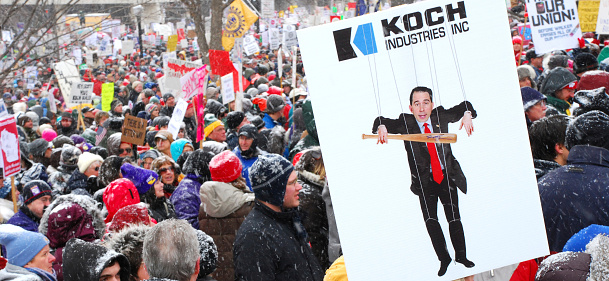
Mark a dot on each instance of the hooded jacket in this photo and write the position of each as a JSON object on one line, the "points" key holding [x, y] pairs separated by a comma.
{"points": [[314, 216], [86, 261], [118, 194], [223, 209]]}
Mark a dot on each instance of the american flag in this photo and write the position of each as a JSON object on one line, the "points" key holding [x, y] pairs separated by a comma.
{"points": [[100, 134]]}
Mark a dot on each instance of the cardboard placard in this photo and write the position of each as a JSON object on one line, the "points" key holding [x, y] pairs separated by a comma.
{"points": [[81, 92], [9, 143], [134, 130]]}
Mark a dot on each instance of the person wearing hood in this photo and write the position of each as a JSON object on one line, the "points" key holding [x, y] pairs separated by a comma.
{"points": [[151, 192], [68, 164], [36, 198], [41, 150], [559, 88], [234, 121], [28, 254], [67, 125], [185, 198], [130, 242], [88, 261], [272, 243], [311, 139], [169, 173], [180, 146], [84, 180], [225, 202], [70, 216], [26, 123], [170, 103], [116, 108], [118, 194], [247, 151]]}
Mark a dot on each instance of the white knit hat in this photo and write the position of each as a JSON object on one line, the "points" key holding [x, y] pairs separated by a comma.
{"points": [[86, 159]]}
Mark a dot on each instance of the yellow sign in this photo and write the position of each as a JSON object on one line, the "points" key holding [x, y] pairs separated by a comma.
{"points": [[588, 13], [107, 96], [172, 42], [238, 21]]}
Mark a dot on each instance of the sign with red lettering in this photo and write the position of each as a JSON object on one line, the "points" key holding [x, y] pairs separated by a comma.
{"points": [[9, 143]]}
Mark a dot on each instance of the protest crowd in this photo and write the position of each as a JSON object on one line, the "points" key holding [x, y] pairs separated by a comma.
{"points": [[211, 189]]}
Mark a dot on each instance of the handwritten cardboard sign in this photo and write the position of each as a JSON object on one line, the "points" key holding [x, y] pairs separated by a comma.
{"points": [[134, 130], [81, 92]]}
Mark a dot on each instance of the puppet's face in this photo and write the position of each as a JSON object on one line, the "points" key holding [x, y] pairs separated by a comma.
{"points": [[421, 106]]}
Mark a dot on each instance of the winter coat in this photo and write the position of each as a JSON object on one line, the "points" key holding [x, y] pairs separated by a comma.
{"points": [[542, 167], [186, 199], [25, 219], [59, 180], [78, 180], [70, 216], [247, 163], [574, 196], [160, 208], [191, 128], [86, 261], [334, 248], [270, 246], [311, 139], [232, 139], [314, 217], [17, 273], [223, 209], [559, 105], [118, 194], [166, 111]]}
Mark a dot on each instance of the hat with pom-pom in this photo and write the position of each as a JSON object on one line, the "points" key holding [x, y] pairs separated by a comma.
{"points": [[225, 167], [142, 179]]}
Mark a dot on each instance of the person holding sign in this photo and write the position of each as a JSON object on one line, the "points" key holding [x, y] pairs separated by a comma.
{"points": [[435, 172]]}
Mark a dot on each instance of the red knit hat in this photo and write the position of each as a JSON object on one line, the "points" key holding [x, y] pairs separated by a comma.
{"points": [[225, 167], [130, 215]]}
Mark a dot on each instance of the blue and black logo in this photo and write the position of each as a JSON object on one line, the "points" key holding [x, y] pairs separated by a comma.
{"points": [[364, 41]]}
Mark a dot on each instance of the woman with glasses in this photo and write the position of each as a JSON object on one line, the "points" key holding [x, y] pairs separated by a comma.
{"points": [[169, 173]]}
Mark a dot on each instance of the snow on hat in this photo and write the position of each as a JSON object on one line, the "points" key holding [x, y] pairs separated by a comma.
{"points": [[39, 146], [591, 128], [557, 79], [225, 167], [269, 177], [33, 190], [21, 245], [119, 193], [596, 99], [48, 134], [530, 97], [234, 119], [209, 254], [516, 40], [274, 103], [69, 155], [86, 261], [142, 178], [136, 214], [594, 79], [584, 62], [86, 159], [211, 123], [564, 266], [263, 88]]}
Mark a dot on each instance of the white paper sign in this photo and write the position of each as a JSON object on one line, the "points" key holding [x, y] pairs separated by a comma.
{"points": [[77, 53], [228, 89], [175, 70], [554, 26], [81, 92], [274, 38], [184, 43], [189, 85], [176, 118], [127, 47], [388, 238], [602, 22], [67, 75], [265, 38], [250, 45], [289, 37]]}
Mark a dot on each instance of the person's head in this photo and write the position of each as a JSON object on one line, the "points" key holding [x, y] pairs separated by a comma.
{"points": [[235, 119], [25, 122], [66, 119], [88, 112], [180, 146], [125, 149], [130, 242], [584, 62], [36, 196], [590, 128], [103, 264], [278, 186], [534, 59], [163, 140], [214, 129], [138, 86], [311, 161], [170, 241], [275, 105], [547, 137], [143, 179], [534, 103], [149, 156], [517, 43], [170, 100], [421, 103], [559, 83], [26, 248], [101, 117], [526, 76], [225, 167], [89, 164], [248, 136], [41, 148], [165, 167]]}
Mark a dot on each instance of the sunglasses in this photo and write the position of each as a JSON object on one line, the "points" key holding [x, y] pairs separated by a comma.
{"points": [[164, 170], [128, 150]]}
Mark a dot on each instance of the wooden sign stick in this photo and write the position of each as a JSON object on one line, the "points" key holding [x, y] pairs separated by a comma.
{"points": [[14, 194], [435, 138]]}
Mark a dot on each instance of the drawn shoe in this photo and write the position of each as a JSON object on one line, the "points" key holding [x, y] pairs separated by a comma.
{"points": [[464, 261], [443, 267]]}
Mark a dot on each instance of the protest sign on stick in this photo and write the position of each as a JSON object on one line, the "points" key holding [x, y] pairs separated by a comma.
{"points": [[554, 26], [588, 14], [176, 118], [602, 23], [228, 91], [134, 130], [107, 95]]}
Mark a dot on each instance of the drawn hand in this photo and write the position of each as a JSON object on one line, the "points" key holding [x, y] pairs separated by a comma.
{"points": [[382, 132], [466, 122]]}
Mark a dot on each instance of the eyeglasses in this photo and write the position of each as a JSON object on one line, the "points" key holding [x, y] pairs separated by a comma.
{"points": [[128, 150], [164, 170]]}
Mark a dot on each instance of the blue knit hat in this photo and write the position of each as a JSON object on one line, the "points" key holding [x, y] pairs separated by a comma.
{"points": [[269, 177], [530, 97], [21, 245], [142, 179]]}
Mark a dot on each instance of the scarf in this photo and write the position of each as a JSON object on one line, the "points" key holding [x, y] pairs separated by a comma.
{"points": [[46, 276]]}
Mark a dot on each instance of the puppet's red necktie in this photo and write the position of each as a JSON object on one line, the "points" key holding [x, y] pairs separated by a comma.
{"points": [[436, 169]]}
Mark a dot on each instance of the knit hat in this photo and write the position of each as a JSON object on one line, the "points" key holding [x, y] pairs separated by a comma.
{"points": [[209, 254], [60, 140], [49, 135], [269, 177], [44, 126], [274, 90], [86, 261], [33, 190], [142, 178], [153, 153], [274, 103], [591, 128], [211, 123], [578, 242], [39, 146], [530, 97], [150, 107], [214, 107], [262, 88], [69, 156], [136, 214], [21, 245], [164, 134], [584, 62], [593, 79], [558, 61], [225, 167], [516, 40], [167, 96], [557, 79], [595, 99], [86, 159], [234, 119]]}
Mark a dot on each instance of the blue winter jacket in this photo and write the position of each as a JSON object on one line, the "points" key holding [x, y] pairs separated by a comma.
{"points": [[246, 163], [24, 221], [186, 199]]}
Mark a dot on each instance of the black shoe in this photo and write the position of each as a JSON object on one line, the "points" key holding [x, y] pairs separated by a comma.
{"points": [[443, 267], [464, 261]]}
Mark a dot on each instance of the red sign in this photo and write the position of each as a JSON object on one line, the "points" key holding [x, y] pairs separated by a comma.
{"points": [[9, 143]]}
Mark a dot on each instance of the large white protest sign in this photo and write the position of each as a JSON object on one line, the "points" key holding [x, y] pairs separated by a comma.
{"points": [[104, 46], [190, 84], [127, 47], [250, 45], [175, 70], [265, 38], [228, 89], [67, 75], [554, 24], [381, 192], [602, 22], [274, 38], [289, 37], [267, 8], [176, 118], [81, 92]]}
